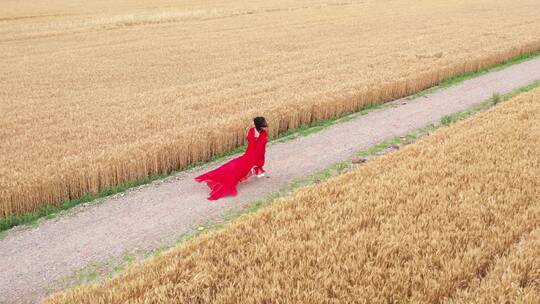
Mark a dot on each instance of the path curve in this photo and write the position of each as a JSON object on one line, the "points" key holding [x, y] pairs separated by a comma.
{"points": [[149, 216]]}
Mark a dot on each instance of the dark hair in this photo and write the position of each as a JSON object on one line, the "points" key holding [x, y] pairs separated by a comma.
{"points": [[260, 123]]}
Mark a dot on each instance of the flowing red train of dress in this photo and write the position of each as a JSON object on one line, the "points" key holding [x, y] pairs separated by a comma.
{"points": [[222, 181]]}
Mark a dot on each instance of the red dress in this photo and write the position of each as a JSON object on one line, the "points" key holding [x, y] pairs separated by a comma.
{"points": [[223, 180]]}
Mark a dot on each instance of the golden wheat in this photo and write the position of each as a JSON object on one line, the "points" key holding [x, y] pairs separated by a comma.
{"points": [[436, 221], [104, 92], [514, 278]]}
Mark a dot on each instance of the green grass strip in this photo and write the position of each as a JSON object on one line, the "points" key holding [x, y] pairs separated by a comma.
{"points": [[50, 211]]}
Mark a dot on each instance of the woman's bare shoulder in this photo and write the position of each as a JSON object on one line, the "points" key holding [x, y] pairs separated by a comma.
{"points": [[250, 132]]}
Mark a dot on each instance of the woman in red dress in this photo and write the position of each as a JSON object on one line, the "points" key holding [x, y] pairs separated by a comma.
{"points": [[223, 180]]}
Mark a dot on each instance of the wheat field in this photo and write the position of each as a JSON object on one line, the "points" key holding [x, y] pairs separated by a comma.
{"points": [[97, 93], [453, 218]]}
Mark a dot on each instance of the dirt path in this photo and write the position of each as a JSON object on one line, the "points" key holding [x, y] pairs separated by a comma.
{"points": [[150, 216]]}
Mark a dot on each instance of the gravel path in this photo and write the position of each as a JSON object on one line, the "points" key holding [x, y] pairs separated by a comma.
{"points": [[150, 216]]}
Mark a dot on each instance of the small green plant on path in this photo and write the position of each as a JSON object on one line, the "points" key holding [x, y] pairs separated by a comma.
{"points": [[496, 98]]}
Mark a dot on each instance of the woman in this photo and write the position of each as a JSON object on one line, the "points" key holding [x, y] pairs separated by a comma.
{"points": [[223, 180]]}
